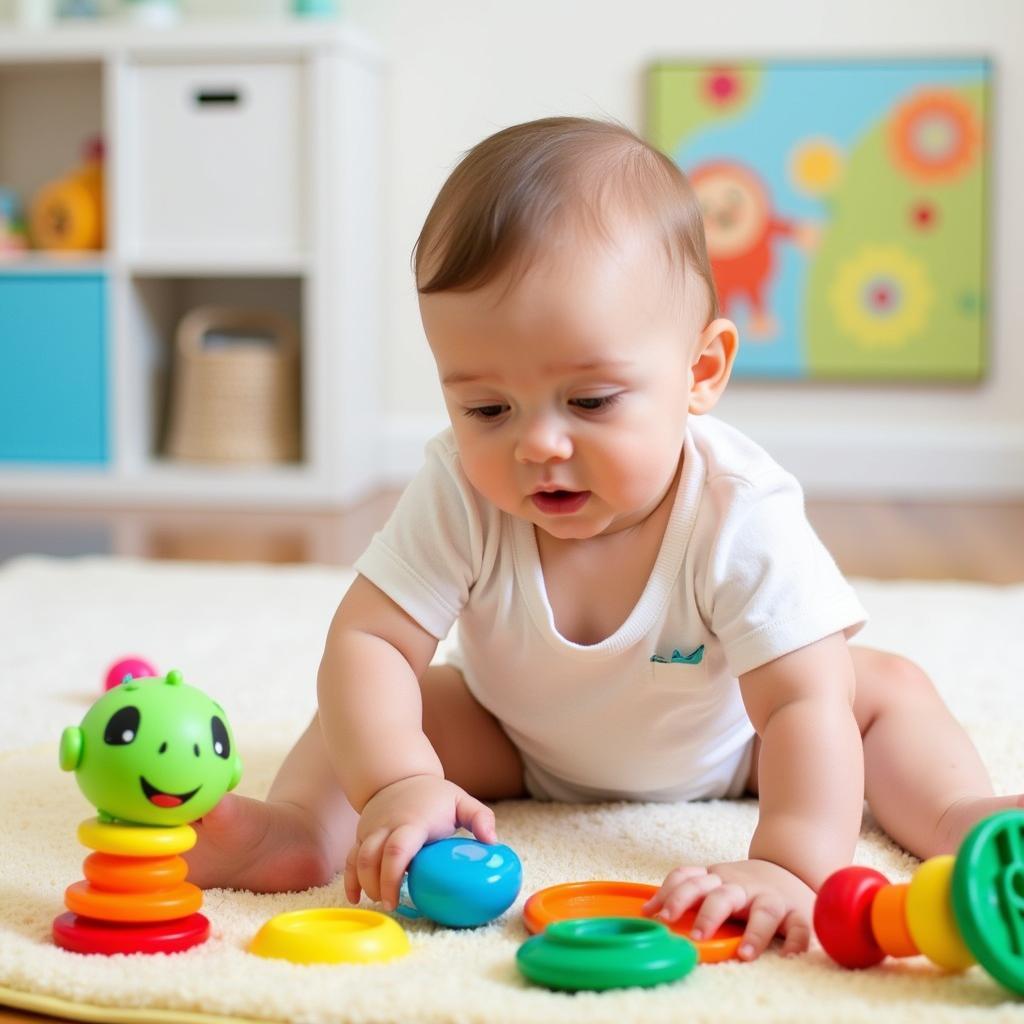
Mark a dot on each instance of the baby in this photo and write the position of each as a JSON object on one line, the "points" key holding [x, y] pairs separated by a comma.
{"points": [[644, 611]]}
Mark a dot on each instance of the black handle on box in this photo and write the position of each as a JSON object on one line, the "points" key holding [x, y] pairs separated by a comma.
{"points": [[218, 97]]}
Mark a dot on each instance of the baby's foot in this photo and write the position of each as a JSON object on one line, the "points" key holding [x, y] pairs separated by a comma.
{"points": [[266, 847], [962, 815]]}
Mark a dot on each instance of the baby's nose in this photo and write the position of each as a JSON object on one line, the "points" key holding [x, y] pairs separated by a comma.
{"points": [[543, 438]]}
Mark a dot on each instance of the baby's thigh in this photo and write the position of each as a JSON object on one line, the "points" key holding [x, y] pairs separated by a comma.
{"points": [[474, 750]]}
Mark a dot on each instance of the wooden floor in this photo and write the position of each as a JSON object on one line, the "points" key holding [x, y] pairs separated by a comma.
{"points": [[886, 540]]}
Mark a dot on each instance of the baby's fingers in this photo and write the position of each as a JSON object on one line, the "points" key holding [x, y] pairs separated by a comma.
{"points": [[368, 863], [399, 848], [685, 895], [675, 878], [352, 887], [721, 903], [477, 817], [766, 914], [798, 934]]}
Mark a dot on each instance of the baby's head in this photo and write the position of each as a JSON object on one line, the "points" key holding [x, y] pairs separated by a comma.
{"points": [[567, 296]]}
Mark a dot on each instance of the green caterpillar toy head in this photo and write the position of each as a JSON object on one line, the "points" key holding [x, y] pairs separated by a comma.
{"points": [[152, 752]]}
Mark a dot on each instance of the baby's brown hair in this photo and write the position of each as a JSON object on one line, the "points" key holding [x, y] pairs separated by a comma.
{"points": [[512, 189]]}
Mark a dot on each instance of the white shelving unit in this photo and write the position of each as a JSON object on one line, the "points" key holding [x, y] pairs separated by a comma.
{"points": [[243, 166]]}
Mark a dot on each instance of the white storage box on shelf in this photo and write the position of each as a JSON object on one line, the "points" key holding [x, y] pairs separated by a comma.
{"points": [[243, 169], [219, 152]]}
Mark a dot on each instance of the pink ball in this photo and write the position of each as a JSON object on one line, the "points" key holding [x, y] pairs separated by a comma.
{"points": [[137, 668]]}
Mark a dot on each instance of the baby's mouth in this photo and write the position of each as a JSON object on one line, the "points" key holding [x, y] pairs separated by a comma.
{"points": [[560, 502], [162, 799]]}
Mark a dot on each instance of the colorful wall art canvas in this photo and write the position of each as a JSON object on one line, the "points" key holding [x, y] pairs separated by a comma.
{"points": [[845, 209]]}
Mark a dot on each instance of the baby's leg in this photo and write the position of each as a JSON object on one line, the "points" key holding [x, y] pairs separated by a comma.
{"points": [[923, 778], [301, 835], [287, 843]]}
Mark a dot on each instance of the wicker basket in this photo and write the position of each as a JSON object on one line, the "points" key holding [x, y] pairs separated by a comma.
{"points": [[234, 387]]}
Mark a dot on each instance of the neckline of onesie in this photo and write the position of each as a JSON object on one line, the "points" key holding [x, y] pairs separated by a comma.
{"points": [[657, 590]]}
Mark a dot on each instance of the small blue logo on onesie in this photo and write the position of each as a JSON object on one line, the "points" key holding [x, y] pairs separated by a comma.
{"points": [[681, 659]]}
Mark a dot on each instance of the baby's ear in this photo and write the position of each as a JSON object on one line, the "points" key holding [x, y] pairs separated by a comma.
{"points": [[712, 364]]}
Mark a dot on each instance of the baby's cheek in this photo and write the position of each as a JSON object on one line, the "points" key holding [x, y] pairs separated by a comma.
{"points": [[641, 474], [490, 476]]}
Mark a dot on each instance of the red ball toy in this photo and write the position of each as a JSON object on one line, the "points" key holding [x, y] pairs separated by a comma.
{"points": [[131, 667], [842, 916]]}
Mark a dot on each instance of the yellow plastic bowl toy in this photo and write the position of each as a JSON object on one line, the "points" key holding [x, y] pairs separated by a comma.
{"points": [[331, 935]]}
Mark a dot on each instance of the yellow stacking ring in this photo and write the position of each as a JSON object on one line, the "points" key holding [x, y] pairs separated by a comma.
{"points": [[331, 935], [139, 907], [930, 918], [136, 840]]}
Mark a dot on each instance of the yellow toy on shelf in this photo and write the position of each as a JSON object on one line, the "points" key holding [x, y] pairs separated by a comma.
{"points": [[67, 214]]}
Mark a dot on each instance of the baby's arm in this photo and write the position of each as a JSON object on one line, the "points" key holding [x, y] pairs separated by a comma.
{"points": [[369, 695], [811, 783], [371, 714], [811, 767]]}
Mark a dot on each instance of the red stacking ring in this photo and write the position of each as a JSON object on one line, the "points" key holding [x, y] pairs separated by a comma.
{"points": [[86, 935]]}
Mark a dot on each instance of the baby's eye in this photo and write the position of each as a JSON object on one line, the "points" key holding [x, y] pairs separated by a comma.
{"points": [[596, 404], [485, 412]]}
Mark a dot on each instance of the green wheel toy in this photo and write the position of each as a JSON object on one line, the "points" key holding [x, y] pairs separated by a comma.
{"points": [[988, 896], [598, 953]]}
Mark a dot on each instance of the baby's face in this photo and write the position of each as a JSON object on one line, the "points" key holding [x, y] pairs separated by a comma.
{"points": [[568, 395]]}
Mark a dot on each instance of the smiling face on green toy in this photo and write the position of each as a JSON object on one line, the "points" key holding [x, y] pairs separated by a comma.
{"points": [[153, 752]]}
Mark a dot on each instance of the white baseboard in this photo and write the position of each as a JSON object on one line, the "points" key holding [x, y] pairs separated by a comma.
{"points": [[864, 462]]}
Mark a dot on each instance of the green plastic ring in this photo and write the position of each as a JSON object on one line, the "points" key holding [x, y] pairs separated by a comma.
{"points": [[988, 896], [597, 953]]}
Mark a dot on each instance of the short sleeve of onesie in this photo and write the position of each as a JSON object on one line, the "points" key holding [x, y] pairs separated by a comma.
{"points": [[771, 585], [428, 553]]}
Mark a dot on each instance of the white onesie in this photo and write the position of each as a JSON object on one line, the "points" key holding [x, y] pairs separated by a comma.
{"points": [[652, 712]]}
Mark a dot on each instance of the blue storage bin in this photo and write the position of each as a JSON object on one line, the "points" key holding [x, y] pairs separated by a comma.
{"points": [[53, 368]]}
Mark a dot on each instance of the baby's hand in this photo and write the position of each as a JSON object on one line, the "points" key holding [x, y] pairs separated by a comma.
{"points": [[769, 897], [396, 821]]}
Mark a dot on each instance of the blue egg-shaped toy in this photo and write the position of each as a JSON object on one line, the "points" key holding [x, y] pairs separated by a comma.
{"points": [[462, 883]]}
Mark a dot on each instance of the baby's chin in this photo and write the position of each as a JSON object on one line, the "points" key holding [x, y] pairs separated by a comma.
{"points": [[567, 531], [575, 527]]}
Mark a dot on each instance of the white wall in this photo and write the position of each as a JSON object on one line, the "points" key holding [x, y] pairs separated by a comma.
{"points": [[460, 69]]}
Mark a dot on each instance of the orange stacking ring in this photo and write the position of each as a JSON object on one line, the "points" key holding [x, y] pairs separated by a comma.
{"points": [[623, 899], [136, 907], [889, 921], [133, 874]]}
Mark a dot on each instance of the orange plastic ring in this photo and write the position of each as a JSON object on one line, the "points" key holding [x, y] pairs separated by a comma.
{"points": [[889, 921], [623, 899], [162, 905], [133, 874]]}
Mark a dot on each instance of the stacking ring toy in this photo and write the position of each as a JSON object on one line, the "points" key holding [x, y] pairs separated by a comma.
{"points": [[87, 935], [956, 910], [598, 953], [331, 935], [151, 755], [988, 896], [623, 899], [136, 840], [133, 874], [157, 905]]}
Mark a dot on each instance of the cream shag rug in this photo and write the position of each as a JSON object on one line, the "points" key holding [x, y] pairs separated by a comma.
{"points": [[251, 636]]}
